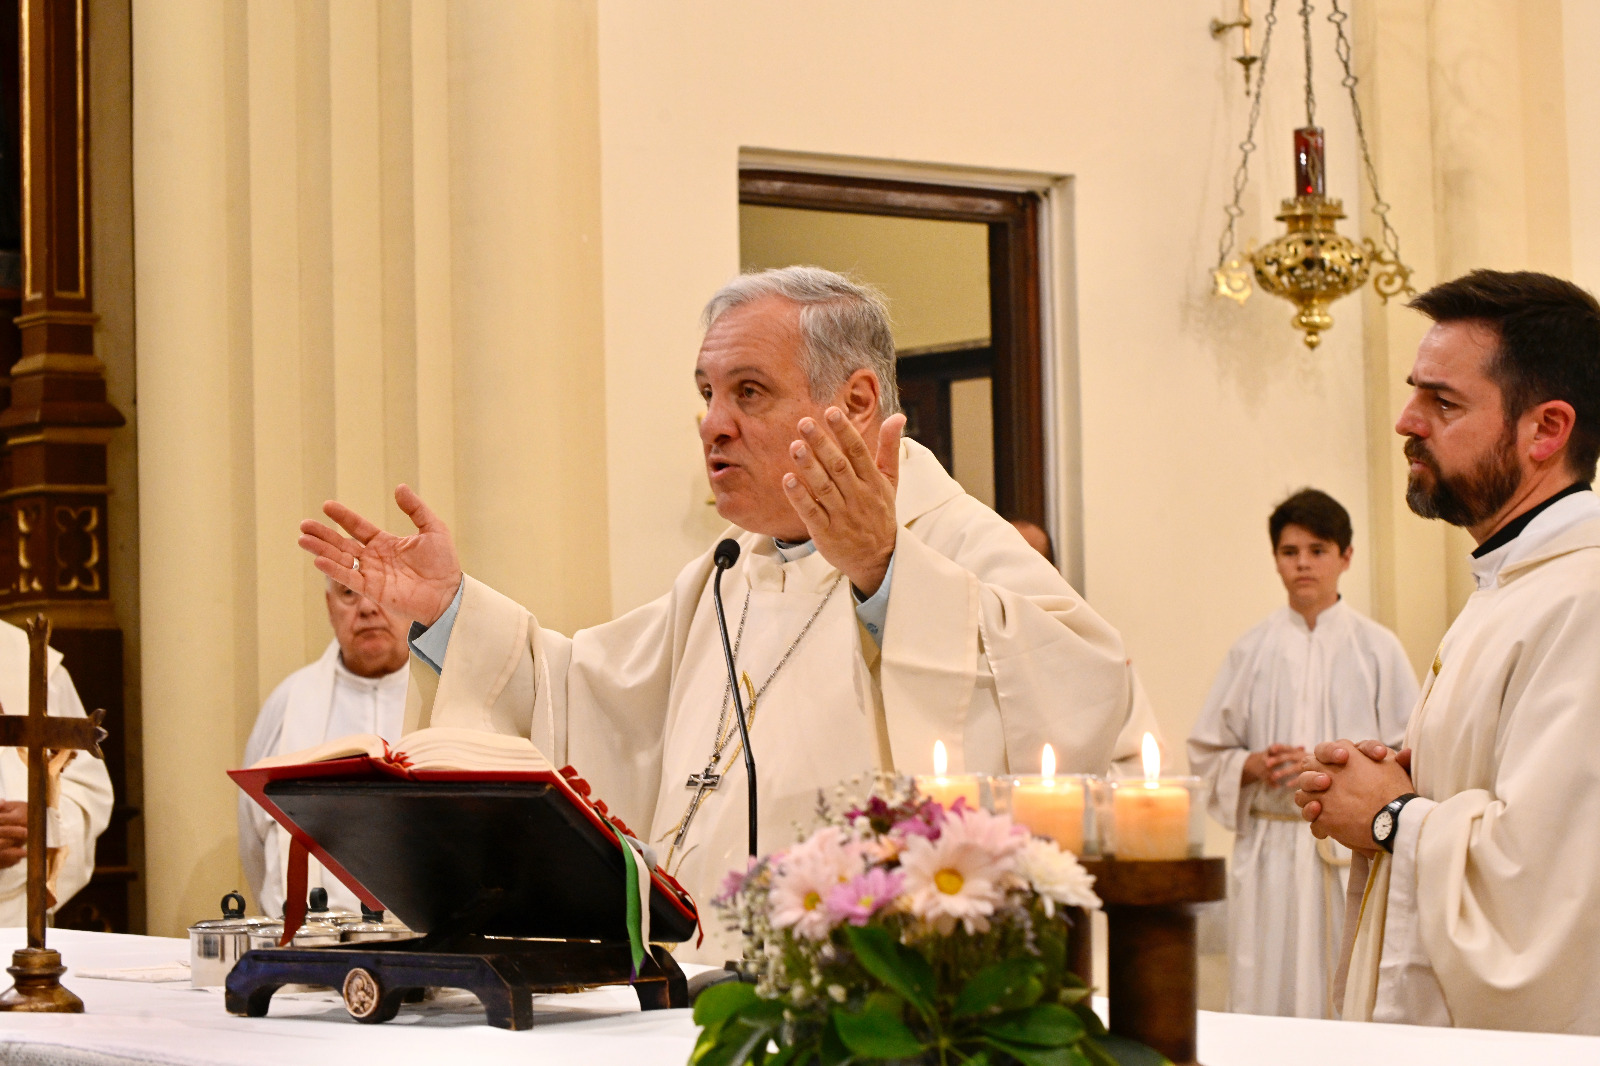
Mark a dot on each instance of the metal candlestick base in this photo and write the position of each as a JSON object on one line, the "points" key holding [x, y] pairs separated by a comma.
{"points": [[37, 972], [1151, 954]]}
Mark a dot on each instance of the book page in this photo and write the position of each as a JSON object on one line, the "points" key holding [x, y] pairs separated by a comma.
{"points": [[369, 744]]}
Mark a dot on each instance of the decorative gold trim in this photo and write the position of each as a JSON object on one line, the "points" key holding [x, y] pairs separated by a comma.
{"points": [[64, 614], [66, 318], [55, 490], [83, 163], [27, 581], [85, 575], [58, 362], [64, 435], [28, 291]]}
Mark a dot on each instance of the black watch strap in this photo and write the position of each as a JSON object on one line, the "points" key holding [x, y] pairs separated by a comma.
{"points": [[1386, 823]]}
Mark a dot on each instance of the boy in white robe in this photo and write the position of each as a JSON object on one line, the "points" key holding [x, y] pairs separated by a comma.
{"points": [[1482, 904], [85, 804], [1312, 669], [877, 608], [357, 686]]}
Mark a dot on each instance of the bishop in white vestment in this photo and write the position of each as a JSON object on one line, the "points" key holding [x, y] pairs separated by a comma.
{"points": [[877, 608], [85, 806]]}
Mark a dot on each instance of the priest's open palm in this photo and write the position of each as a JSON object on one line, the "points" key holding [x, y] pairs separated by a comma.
{"points": [[416, 577], [846, 495]]}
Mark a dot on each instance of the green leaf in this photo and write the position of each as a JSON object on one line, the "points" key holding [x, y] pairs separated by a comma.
{"points": [[876, 1034], [1039, 1056], [832, 1051], [720, 1002], [1046, 1025], [1091, 1021], [1127, 1052], [1095, 1054], [902, 969], [1005, 984]]}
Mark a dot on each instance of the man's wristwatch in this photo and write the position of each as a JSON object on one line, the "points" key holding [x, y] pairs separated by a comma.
{"points": [[1386, 823]]}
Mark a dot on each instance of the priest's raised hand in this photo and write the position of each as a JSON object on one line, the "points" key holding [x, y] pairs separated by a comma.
{"points": [[846, 495], [415, 577]]}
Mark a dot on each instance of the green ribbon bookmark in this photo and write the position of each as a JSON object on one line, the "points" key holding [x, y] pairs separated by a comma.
{"points": [[630, 865]]}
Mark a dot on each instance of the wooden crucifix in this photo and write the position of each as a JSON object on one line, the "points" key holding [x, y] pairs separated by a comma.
{"points": [[36, 969]]}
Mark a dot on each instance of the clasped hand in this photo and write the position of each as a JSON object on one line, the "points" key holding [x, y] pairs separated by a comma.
{"points": [[13, 833], [1277, 765], [1343, 786], [846, 496]]}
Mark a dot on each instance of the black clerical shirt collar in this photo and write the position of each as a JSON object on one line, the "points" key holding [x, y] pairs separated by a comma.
{"points": [[1512, 529]]}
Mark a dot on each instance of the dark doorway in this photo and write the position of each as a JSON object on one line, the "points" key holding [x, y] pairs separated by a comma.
{"points": [[1012, 359]]}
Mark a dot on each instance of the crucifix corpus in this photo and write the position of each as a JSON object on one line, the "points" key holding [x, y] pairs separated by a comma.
{"points": [[36, 969]]}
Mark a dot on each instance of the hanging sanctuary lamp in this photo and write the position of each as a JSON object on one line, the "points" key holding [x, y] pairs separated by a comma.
{"points": [[1311, 264]]}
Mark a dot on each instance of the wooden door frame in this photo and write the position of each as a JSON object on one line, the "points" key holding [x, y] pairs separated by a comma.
{"points": [[1015, 312]]}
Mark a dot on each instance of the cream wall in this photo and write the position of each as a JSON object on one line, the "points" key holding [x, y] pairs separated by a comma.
{"points": [[364, 257], [467, 244]]}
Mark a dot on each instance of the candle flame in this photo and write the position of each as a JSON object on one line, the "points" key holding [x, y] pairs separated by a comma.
{"points": [[1151, 754], [941, 760], [1047, 763]]}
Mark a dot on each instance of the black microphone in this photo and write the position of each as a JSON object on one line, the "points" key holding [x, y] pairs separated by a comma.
{"points": [[726, 555]]}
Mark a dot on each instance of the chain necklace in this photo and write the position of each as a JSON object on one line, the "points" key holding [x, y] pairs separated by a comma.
{"points": [[708, 779]]}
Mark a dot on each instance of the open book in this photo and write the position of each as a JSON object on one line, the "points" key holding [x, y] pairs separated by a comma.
{"points": [[466, 831], [437, 748]]}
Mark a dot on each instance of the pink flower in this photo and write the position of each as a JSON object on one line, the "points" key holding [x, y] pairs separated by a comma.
{"points": [[733, 881], [963, 875], [858, 899], [806, 875]]}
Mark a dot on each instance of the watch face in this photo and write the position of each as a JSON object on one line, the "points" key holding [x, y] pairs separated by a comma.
{"points": [[1383, 825]]}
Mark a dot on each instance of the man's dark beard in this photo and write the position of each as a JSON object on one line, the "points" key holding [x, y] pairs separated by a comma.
{"points": [[1465, 500]]}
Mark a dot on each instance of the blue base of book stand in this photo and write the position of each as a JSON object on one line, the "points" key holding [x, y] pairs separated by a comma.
{"points": [[375, 978]]}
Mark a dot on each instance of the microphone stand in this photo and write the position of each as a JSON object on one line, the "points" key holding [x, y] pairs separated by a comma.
{"points": [[733, 683]]}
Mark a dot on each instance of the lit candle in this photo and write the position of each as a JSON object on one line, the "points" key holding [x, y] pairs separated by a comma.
{"points": [[1308, 167], [1048, 807], [1152, 819], [946, 787]]}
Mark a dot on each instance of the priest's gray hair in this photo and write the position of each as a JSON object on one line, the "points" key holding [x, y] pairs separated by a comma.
{"points": [[844, 326]]}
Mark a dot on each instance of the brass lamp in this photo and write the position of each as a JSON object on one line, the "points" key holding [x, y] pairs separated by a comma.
{"points": [[1311, 264]]}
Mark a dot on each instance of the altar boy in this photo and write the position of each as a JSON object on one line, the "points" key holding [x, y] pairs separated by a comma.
{"points": [[1312, 665]]}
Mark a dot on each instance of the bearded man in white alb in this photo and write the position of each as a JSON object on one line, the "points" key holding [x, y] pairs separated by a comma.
{"points": [[84, 806], [1312, 669], [357, 686], [875, 607], [1482, 905]]}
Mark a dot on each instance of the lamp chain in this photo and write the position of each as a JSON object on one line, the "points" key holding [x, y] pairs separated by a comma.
{"points": [[1311, 99], [1391, 240], [1241, 176]]}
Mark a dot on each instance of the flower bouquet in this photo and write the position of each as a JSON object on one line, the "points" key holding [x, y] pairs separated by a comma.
{"points": [[904, 931]]}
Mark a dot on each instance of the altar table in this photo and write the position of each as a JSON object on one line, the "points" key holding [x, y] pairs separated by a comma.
{"points": [[143, 1024]]}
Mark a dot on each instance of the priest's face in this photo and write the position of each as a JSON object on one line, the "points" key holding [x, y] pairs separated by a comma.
{"points": [[1464, 463], [1310, 568], [751, 373], [372, 642]]}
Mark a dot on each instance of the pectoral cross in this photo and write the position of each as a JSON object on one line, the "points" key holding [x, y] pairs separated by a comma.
{"points": [[708, 779], [705, 781], [37, 969]]}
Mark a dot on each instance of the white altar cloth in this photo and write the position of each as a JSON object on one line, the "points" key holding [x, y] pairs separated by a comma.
{"points": [[141, 1024]]}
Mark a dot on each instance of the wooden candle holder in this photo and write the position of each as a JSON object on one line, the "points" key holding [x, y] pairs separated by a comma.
{"points": [[1151, 955]]}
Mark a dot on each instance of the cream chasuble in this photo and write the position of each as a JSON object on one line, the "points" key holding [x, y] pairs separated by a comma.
{"points": [[985, 647], [1285, 683], [1501, 891], [86, 798]]}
